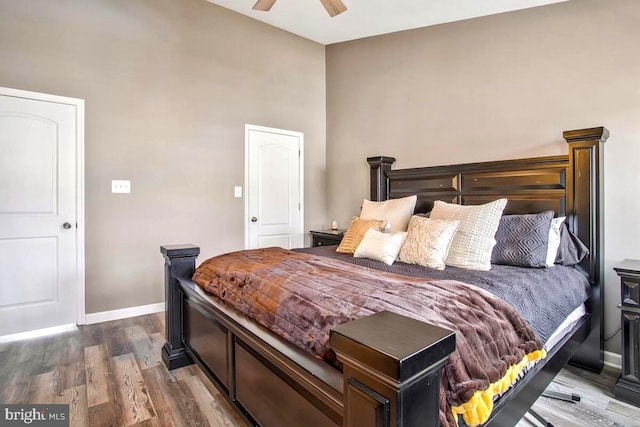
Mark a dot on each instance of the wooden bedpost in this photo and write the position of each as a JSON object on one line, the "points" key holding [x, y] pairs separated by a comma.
{"points": [[179, 262], [585, 217], [391, 370], [379, 183]]}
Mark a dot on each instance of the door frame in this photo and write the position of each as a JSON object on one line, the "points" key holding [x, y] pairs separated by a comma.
{"points": [[78, 104], [300, 136]]}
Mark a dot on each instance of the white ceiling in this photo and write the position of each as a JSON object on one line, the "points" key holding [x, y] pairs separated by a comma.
{"points": [[365, 18]]}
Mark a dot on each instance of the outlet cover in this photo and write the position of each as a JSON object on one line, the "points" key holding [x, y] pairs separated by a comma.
{"points": [[237, 191], [120, 186]]}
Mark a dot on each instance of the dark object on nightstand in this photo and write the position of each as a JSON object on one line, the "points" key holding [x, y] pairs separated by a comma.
{"points": [[628, 385], [326, 237]]}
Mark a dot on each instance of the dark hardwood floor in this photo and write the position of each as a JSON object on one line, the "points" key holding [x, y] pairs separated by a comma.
{"points": [[111, 375]]}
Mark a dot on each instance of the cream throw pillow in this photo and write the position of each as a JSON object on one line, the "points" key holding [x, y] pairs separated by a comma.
{"points": [[378, 246], [356, 231], [475, 238], [428, 241], [396, 211]]}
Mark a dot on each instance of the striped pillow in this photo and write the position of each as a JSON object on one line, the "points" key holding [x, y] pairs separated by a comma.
{"points": [[474, 240]]}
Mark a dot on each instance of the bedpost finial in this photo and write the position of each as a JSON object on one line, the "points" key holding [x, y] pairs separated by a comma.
{"points": [[599, 133], [380, 160]]}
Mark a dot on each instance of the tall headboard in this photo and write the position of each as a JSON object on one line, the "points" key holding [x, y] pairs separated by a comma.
{"points": [[570, 185]]}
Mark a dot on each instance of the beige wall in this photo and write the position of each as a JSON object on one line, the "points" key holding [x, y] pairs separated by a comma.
{"points": [[169, 86], [498, 87]]}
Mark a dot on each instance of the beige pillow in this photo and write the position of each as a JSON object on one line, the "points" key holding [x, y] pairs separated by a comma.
{"points": [[428, 241], [475, 238], [379, 246], [356, 231], [397, 211]]}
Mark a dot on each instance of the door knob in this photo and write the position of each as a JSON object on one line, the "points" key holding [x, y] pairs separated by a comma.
{"points": [[66, 226], [254, 219]]}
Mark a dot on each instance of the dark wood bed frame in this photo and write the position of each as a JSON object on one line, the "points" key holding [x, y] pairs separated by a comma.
{"points": [[391, 374]]}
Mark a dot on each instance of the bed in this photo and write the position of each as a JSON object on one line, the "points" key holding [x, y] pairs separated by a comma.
{"points": [[391, 364]]}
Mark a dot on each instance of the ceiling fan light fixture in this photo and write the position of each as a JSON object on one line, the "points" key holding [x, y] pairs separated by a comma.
{"points": [[334, 7], [263, 5]]}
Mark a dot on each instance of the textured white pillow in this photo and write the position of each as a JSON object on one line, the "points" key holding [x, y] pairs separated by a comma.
{"points": [[475, 238], [428, 241], [554, 240], [396, 211], [380, 246]]}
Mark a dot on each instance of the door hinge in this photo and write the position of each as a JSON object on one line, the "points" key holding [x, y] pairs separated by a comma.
{"points": [[299, 206]]}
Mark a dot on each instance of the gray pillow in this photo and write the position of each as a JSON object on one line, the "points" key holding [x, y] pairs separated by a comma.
{"points": [[571, 250], [522, 240]]}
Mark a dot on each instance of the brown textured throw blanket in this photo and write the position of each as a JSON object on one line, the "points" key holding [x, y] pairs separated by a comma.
{"points": [[301, 297]]}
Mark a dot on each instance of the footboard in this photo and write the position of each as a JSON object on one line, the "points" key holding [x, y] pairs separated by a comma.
{"points": [[391, 374]]}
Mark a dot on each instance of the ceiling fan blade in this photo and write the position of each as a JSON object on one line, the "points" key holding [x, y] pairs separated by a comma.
{"points": [[334, 7], [263, 5]]}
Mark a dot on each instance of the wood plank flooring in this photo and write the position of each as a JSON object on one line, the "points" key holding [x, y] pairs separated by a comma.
{"points": [[111, 374], [597, 406]]}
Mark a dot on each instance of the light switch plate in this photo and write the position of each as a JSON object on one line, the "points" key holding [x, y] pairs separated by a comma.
{"points": [[237, 191], [120, 186]]}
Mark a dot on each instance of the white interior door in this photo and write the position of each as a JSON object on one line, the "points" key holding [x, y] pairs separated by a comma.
{"points": [[274, 202], [39, 254]]}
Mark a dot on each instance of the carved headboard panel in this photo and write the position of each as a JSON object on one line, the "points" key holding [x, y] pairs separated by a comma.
{"points": [[531, 185]]}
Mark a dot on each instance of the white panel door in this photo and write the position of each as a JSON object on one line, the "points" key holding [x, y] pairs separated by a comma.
{"points": [[274, 188], [38, 248]]}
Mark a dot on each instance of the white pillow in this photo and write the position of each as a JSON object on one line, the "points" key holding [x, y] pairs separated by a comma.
{"points": [[428, 241], [396, 211], [475, 238], [380, 246], [554, 240]]}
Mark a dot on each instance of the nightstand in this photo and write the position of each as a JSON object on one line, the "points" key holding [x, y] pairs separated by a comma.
{"points": [[628, 385], [326, 237]]}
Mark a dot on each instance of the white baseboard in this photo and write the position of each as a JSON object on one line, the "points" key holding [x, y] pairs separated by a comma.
{"points": [[38, 333], [123, 313], [613, 360], [104, 316]]}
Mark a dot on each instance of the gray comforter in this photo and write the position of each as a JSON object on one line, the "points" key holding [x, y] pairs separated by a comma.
{"points": [[544, 297]]}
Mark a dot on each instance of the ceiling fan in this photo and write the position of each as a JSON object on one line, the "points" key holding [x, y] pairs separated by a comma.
{"points": [[334, 7]]}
